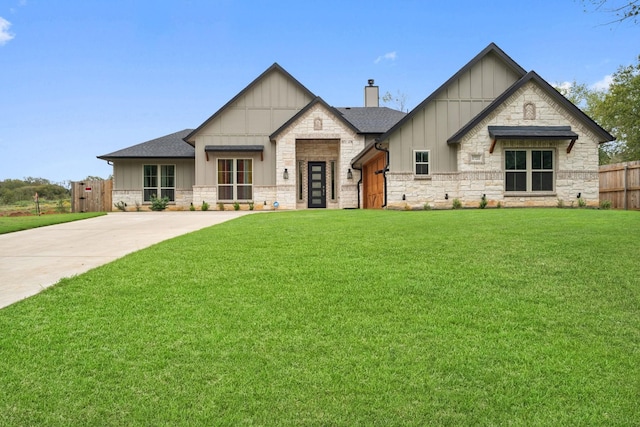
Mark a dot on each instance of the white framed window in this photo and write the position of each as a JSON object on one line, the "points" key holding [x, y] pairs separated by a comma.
{"points": [[159, 181], [235, 179], [529, 171], [421, 162]]}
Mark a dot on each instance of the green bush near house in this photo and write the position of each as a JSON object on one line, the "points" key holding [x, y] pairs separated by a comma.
{"points": [[159, 204], [605, 204], [474, 317]]}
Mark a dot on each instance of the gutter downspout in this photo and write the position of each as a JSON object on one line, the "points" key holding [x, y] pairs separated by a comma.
{"points": [[384, 171], [359, 182]]}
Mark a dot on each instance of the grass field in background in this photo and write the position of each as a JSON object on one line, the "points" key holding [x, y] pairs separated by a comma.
{"points": [[466, 317], [18, 223]]}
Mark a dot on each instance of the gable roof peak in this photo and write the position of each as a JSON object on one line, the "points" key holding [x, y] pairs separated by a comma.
{"points": [[556, 96], [274, 67], [316, 100], [491, 48]]}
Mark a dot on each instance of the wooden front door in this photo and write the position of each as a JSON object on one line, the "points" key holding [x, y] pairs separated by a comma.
{"points": [[317, 185], [373, 183]]}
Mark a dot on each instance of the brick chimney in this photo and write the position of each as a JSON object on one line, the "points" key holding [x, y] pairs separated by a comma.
{"points": [[371, 95]]}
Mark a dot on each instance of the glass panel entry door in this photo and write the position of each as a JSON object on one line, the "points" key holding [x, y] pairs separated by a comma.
{"points": [[317, 185]]}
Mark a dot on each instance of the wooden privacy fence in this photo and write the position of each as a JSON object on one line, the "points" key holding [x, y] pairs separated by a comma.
{"points": [[91, 196], [620, 184]]}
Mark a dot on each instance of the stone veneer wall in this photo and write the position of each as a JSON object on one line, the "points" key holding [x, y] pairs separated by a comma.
{"points": [[480, 172], [133, 199], [263, 196]]}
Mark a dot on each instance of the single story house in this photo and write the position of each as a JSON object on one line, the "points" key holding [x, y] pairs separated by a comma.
{"points": [[492, 131]]}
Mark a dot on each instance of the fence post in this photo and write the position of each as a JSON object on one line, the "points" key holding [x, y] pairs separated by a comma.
{"points": [[624, 180]]}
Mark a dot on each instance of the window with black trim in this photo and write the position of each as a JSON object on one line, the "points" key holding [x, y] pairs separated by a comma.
{"points": [[421, 162], [300, 180], [332, 178], [159, 181], [529, 171], [235, 179]]}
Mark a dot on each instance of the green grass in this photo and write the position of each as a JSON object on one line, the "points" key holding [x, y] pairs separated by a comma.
{"points": [[471, 317], [18, 223]]}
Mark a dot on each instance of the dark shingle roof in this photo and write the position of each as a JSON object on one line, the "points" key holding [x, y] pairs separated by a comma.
{"points": [[168, 146], [371, 119]]}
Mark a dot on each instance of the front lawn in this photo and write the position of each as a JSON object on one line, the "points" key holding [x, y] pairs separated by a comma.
{"points": [[10, 224], [471, 317]]}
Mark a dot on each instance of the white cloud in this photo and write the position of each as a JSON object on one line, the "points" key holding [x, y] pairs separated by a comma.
{"points": [[603, 84], [5, 35], [391, 56]]}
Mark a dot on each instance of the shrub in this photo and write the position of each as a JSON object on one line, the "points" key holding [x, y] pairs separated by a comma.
{"points": [[236, 206], [582, 203], [159, 204], [483, 202], [220, 206], [191, 207], [457, 204], [250, 206], [61, 206], [560, 203], [122, 206], [499, 205], [205, 206], [427, 207], [605, 204]]}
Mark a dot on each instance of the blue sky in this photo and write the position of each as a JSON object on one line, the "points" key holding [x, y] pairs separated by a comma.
{"points": [[83, 78]]}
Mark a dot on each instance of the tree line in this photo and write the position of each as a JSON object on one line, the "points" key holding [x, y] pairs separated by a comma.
{"points": [[15, 190], [617, 109]]}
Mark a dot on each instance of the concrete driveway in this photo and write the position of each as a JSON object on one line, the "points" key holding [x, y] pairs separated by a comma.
{"points": [[32, 260]]}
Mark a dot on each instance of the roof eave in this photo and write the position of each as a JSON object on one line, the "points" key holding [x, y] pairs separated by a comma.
{"points": [[111, 158]]}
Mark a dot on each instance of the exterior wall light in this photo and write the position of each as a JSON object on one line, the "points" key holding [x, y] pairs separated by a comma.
{"points": [[285, 175], [446, 196], [349, 174]]}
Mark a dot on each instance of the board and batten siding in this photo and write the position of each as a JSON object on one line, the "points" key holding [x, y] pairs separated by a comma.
{"points": [[128, 173], [249, 120], [449, 110]]}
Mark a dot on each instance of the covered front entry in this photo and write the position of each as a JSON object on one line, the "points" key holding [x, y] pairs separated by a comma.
{"points": [[373, 182], [317, 183], [317, 179]]}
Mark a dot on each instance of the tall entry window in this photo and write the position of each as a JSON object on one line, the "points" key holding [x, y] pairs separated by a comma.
{"points": [[528, 170], [159, 181], [235, 179]]}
